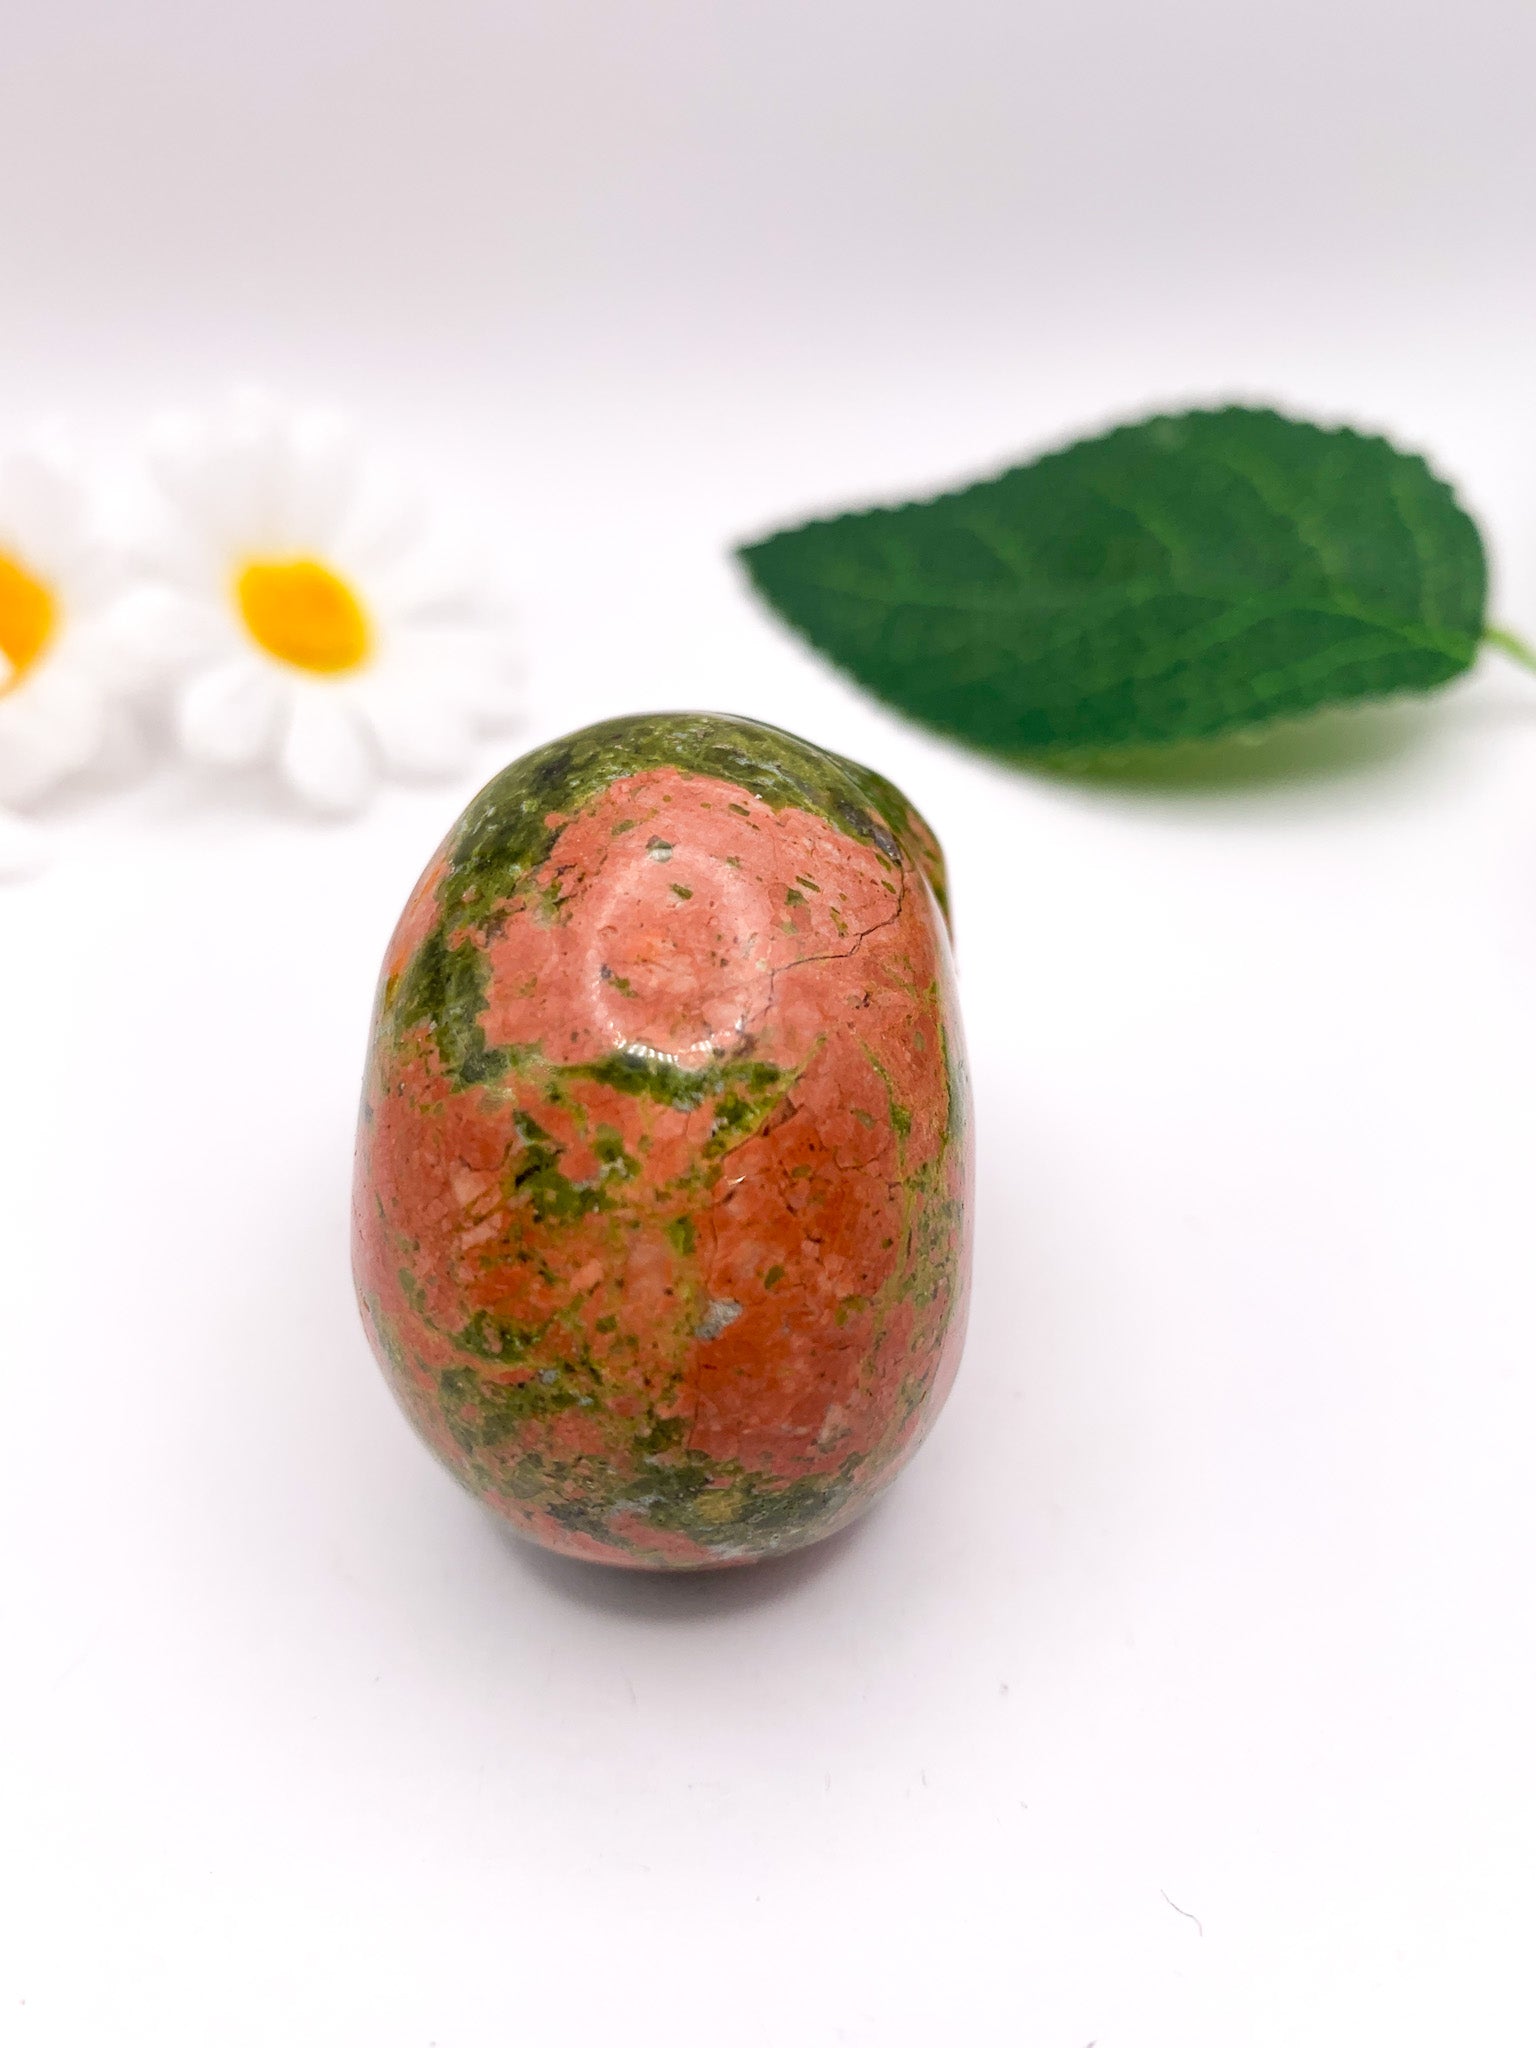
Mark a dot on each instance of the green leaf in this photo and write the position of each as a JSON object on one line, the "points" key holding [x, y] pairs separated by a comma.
{"points": [[1175, 579]]}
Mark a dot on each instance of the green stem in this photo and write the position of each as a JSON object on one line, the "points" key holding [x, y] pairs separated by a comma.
{"points": [[1512, 645]]}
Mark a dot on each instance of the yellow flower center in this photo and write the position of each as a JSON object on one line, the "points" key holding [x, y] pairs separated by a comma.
{"points": [[304, 614], [26, 622]]}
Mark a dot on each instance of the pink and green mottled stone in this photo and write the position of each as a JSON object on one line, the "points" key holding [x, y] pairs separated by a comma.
{"points": [[661, 1224]]}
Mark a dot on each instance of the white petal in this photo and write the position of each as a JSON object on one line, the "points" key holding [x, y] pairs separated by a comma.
{"points": [[228, 716], [383, 527], [117, 651], [224, 477], [49, 727], [256, 478], [325, 756], [43, 511], [156, 634], [243, 498], [23, 848], [170, 550], [323, 472], [419, 732], [88, 580], [177, 446], [128, 750], [178, 441]]}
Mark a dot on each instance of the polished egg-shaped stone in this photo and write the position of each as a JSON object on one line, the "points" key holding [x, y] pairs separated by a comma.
{"points": [[661, 1223]]}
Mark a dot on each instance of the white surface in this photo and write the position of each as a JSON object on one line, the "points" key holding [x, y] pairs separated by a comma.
{"points": [[1210, 1595]]}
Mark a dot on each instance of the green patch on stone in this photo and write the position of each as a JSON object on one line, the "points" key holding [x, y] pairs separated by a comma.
{"points": [[497, 1342], [935, 1221], [616, 1163], [548, 902], [536, 1178], [720, 1506], [443, 988], [744, 1091], [666, 1433], [761, 1516], [737, 1115], [957, 1082], [900, 1115], [482, 1414]]}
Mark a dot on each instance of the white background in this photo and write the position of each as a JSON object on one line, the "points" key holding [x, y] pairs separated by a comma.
{"points": [[1182, 1692]]}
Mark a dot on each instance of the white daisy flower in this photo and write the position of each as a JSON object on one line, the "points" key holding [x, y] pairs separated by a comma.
{"points": [[300, 616], [66, 650]]}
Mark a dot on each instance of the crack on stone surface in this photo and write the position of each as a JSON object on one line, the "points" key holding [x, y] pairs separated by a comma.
{"points": [[811, 959]]}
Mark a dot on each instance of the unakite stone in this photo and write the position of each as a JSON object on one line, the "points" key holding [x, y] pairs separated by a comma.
{"points": [[662, 1226]]}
